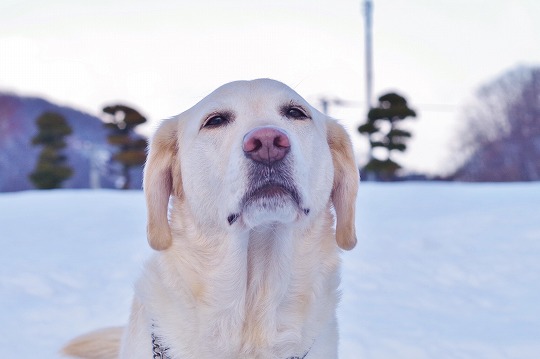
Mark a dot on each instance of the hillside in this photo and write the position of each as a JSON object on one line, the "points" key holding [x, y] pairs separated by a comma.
{"points": [[18, 156]]}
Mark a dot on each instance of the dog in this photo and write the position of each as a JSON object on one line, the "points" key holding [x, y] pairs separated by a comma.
{"points": [[250, 198]]}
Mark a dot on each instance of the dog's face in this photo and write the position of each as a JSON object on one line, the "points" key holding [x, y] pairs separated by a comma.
{"points": [[252, 153]]}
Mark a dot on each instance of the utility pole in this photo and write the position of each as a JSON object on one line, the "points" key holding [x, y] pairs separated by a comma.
{"points": [[324, 104], [368, 9]]}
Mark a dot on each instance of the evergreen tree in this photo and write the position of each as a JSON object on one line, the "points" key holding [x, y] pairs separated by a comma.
{"points": [[51, 169], [131, 146], [382, 129]]}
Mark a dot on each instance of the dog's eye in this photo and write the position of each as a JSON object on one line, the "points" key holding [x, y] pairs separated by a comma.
{"points": [[216, 121], [295, 113]]}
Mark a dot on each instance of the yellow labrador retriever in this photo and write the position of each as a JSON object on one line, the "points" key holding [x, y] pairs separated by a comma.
{"points": [[250, 195]]}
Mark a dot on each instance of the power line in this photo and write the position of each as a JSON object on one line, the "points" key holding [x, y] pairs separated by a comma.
{"points": [[325, 103], [431, 107]]}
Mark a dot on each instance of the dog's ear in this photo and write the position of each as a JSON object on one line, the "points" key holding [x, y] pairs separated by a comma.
{"points": [[346, 180], [161, 178]]}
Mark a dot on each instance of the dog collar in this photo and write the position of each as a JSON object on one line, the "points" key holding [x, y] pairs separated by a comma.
{"points": [[159, 352]]}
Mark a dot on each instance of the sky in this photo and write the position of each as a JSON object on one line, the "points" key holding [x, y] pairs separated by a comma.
{"points": [[162, 57]]}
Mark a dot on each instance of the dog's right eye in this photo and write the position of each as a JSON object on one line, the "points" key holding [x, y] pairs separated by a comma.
{"points": [[216, 121]]}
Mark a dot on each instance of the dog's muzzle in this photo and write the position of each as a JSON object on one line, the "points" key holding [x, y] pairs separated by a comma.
{"points": [[269, 174]]}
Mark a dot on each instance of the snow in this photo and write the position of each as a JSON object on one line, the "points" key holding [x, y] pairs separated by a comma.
{"points": [[441, 270]]}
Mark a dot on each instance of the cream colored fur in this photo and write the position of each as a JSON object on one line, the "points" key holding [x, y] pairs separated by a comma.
{"points": [[264, 286], [99, 344]]}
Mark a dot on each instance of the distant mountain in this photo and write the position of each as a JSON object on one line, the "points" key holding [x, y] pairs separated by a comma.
{"points": [[87, 146]]}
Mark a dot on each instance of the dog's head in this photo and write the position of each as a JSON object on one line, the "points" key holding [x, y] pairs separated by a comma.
{"points": [[252, 153]]}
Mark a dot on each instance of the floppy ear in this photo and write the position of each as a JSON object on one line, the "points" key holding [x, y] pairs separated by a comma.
{"points": [[346, 180], [161, 178]]}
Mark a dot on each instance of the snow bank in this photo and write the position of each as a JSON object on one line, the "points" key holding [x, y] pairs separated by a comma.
{"points": [[440, 270]]}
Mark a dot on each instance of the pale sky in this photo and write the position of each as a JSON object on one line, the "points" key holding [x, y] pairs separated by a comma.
{"points": [[163, 56]]}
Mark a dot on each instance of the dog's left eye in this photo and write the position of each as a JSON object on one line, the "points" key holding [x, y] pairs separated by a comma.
{"points": [[296, 113]]}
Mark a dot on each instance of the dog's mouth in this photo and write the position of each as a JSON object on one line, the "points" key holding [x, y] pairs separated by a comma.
{"points": [[269, 194], [271, 191]]}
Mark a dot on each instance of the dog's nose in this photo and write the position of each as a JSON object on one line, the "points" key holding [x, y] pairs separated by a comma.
{"points": [[266, 144]]}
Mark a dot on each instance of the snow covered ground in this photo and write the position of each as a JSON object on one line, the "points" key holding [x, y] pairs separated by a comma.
{"points": [[440, 271]]}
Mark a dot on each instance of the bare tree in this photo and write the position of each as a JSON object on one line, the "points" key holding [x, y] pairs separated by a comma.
{"points": [[501, 132]]}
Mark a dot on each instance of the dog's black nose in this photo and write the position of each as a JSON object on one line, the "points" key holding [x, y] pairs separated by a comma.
{"points": [[266, 144]]}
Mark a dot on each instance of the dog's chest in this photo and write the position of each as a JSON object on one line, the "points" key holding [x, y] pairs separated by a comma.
{"points": [[246, 309]]}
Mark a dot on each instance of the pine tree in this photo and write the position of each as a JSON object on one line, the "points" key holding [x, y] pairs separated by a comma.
{"points": [[51, 169], [382, 129], [131, 146]]}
